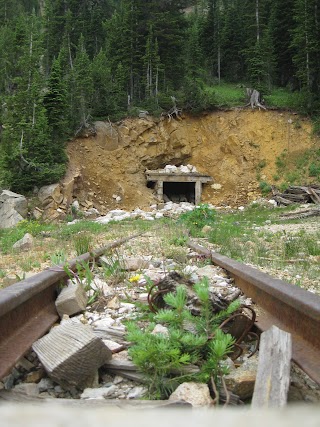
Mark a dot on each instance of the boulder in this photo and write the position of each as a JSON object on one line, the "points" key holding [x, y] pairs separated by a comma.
{"points": [[25, 243], [13, 208], [52, 191]]}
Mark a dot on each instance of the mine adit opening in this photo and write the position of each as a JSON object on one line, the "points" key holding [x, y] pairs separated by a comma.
{"points": [[179, 192], [177, 186]]}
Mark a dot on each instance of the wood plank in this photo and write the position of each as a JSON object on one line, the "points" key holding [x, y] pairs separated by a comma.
{"points": [[273, 376], [71, 353], [314, 196]]}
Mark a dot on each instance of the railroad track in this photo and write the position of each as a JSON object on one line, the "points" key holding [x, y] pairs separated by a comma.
{"points": [[27, 308]]}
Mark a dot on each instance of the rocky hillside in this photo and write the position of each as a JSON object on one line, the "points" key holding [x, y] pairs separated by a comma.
{"points": [[237, 148]]}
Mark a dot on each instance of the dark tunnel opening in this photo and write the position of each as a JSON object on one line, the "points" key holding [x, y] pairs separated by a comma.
{"points": [[179, 191]]}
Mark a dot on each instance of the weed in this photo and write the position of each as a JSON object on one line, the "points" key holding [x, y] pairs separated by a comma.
{"points": [[292, 177], [59, 257], [113, 267], [314, 169], [82, 243], [84, 276], [265, 188], [281, 162], [29, 264], [178, 240], [262, 164], [196, 219]]}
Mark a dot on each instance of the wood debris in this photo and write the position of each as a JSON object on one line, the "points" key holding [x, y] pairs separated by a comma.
{"points": [[298, 194]]}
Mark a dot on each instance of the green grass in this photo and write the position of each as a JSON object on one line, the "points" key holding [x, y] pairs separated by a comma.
{"points": [[228, 95], [283, 98], [234, 95]]}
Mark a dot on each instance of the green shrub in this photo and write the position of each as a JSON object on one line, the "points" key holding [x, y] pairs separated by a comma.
{"points": [[314, 169], [159, 355], [265, 188], [195, 220]]}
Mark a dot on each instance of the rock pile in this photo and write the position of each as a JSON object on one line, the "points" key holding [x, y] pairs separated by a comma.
{"points": [[177, 169], [156, 212]]}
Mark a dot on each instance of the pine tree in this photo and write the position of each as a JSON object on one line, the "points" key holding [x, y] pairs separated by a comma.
{"points": [[55, 102], [281, 25], [104, 104], [306, 36], [27, 152], [83, 88]]}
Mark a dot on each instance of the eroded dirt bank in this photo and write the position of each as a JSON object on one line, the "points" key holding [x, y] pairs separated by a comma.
{"points": [[230, 146]]}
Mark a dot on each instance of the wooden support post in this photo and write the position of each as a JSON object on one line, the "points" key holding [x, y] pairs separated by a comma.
{"points": [[198, 190], [273, 376], [160, 189]]}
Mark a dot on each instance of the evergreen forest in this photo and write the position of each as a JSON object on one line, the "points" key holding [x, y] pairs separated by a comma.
{"points": [[66, 63]]}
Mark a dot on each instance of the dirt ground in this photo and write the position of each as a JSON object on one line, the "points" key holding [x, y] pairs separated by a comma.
{"points": [[237, 148]]}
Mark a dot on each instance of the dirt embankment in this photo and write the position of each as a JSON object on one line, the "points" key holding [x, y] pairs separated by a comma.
{"points": [[231, 146]]}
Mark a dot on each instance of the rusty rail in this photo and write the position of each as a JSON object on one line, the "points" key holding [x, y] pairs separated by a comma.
{"points": [[27, 308], [289, 307]]}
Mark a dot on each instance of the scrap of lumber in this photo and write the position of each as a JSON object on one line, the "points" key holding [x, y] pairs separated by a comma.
{"points": [[273, 376], [71, 353]]}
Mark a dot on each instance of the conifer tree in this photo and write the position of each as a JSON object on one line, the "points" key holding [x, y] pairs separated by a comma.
{"points": [[27, 150], [83, 88], [306, 36]]}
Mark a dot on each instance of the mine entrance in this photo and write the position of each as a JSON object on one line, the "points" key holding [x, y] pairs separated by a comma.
{"points": [[179, 191], [177, 187]]}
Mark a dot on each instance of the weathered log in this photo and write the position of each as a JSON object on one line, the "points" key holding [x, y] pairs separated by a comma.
{"points": [[273, 376], [282, 201]]}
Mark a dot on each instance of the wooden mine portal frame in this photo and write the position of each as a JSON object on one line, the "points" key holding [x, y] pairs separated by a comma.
{"points": [[160, 178]]}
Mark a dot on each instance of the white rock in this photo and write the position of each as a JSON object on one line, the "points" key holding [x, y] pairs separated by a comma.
{"points": [[98, 393], [160, 330], [117, 212], [170, 169], [184, 169], [30, 389], [75, 204], [117, 379], [197, 394], [216, 186], [101, 285], [104, 323], [136, 392], [189, 269], [45, 384], [241, 208], [112, 344]]}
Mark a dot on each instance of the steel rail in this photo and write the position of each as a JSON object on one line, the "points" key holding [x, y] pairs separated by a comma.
{"points": [[27, 308], [289, 307]]}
